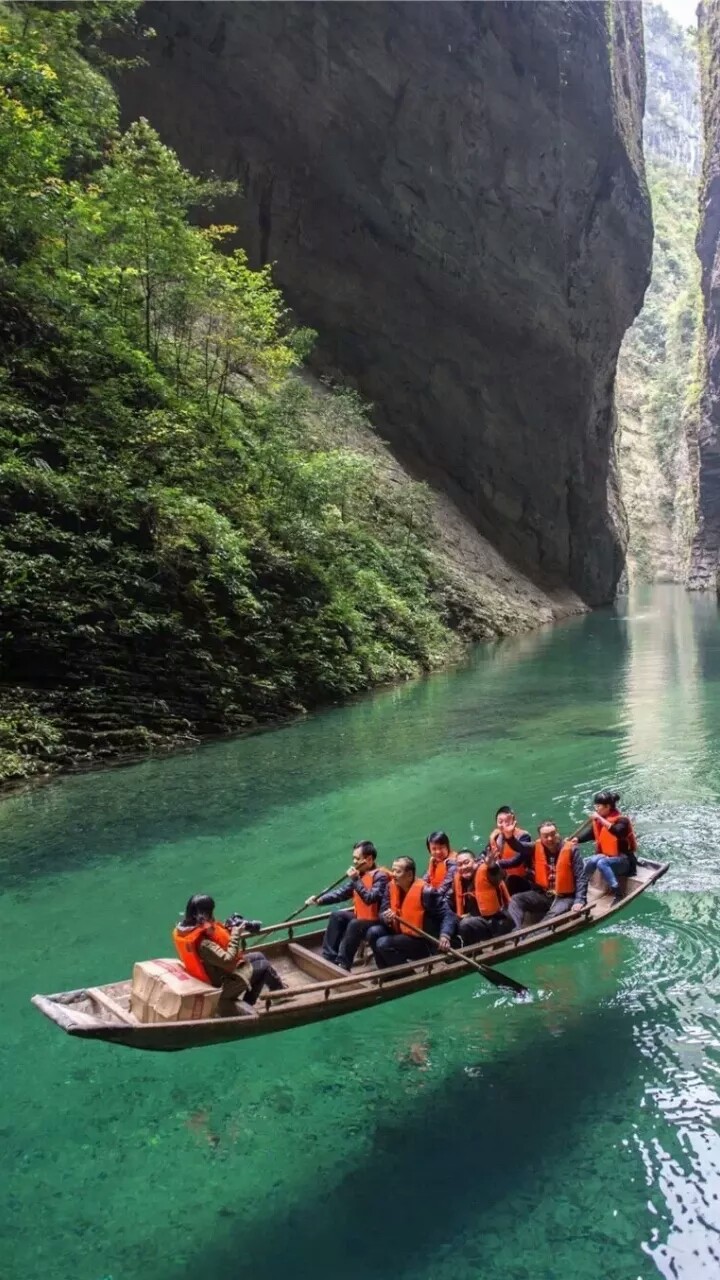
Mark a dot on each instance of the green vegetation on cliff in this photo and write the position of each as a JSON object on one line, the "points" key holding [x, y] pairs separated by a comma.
{"points": [[186, 546], [658, 370]]}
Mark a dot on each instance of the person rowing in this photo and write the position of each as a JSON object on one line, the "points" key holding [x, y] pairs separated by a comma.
{"points": [[365, 885], [480, 898], [513, 845], [615, 844], [557, 869], [441, 866], [410, 904]]}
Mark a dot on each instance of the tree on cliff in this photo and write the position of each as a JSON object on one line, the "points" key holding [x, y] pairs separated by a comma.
{"points": [[184, 547]]}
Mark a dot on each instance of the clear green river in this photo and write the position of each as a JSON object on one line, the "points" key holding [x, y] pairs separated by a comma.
{"points": [[456, 1135]]}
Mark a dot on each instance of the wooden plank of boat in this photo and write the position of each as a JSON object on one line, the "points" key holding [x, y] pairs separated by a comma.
{"points": [[318, 990]]}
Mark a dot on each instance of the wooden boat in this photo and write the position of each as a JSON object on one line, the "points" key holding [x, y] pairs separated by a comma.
{"points": [[317, 988]]}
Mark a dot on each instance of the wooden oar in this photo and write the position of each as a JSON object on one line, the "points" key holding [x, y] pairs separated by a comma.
{"points": [[582, 827], [304, 906], [492, 975], [294, 914]]}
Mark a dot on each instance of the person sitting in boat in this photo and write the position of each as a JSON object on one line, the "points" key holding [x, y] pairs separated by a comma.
{"points": [[557, 868], [514, 846], [615, 844], [366, 885], [441, 867], [213, 953], [480, 898], [408, 905]]}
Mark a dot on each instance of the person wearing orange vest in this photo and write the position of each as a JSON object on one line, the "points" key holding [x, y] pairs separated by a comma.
{"points": [[513, 846], [557, 868], [366, 884], [480, 898], [615, 844], [213, 953], [441, 867], [409, 902]]}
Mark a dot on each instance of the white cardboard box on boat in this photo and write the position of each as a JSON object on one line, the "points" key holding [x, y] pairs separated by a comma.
{"points": [[162, 991]]}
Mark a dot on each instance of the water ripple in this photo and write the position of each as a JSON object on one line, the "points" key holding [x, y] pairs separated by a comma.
{"points": [[671, 988]]}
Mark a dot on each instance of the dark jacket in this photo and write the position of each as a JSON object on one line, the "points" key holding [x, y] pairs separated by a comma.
{"points": [[522, 847], [371, 897], [439, 915], [620, 828]]}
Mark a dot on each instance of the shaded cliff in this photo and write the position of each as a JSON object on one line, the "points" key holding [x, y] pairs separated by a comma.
{"points": [[706, 547], [454, 198], [194, 538], [657, 370]]}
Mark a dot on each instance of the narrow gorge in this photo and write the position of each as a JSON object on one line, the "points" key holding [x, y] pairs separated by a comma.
{"points": [[438, 209], [705, 558], [658, 385]]}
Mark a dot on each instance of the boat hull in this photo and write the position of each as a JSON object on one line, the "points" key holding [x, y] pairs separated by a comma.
{"points": [[103, 1013]]}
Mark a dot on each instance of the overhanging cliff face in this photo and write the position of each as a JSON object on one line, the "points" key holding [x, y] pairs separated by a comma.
{"points": [[454, 198], [706, 548]]}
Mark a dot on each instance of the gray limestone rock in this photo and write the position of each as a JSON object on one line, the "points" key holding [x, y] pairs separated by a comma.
{"points": [[453, 195], [705, 558]]}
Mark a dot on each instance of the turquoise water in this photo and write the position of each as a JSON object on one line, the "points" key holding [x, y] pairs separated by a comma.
{"points": [[457, 1135]]}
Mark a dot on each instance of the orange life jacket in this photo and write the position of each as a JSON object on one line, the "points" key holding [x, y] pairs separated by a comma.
{"points": [[437, 871], [411, 907], [363, 910], [607, 843], [186, 945], [490, 898], [564, 883], [462, 892], [499, 845]]}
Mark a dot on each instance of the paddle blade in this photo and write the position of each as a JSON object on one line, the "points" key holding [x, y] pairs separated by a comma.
{"points": [[502, 980]]}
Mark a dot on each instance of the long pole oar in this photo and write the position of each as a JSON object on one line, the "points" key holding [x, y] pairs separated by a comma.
{"points": [[294, 914], [492, 975], [304, 906], [582, 827]]}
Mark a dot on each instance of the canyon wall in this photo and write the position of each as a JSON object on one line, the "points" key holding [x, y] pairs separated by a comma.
{"points": [[453, 196], [657, 383], [706, 547]]}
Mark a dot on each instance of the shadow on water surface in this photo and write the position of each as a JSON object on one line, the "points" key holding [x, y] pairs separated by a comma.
{"points": [[443, 1160], [392, 736]]}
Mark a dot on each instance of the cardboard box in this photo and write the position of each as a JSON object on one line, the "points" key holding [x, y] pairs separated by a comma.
{"points": [[162, 991]]}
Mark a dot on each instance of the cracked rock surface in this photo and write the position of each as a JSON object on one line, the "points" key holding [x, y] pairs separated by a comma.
{"points": [[453, 195], [705, 557]]}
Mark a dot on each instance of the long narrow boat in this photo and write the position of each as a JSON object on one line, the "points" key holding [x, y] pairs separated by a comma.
{"points": [[318, 989]]}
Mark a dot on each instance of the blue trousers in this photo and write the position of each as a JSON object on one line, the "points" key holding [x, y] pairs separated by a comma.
{"points": [[609, 868]]}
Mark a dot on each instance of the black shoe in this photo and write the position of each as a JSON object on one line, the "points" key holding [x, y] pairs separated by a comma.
{"points": [[617, 896]]}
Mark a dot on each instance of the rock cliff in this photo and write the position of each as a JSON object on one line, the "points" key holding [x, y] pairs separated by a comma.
{"points": [[672, 127], [657, 370], [706, 547], [454, 197]]}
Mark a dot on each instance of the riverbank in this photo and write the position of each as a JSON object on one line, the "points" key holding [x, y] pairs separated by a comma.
{"points": [[119, 709], [44, 736]]}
